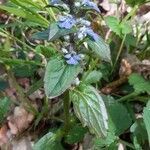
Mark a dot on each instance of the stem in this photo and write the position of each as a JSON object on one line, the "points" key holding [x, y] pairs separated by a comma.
{"points": [[119, 52], [66, 104], [91, 68], [127, 144], [127, 97], [131, 13], [114, 84]]}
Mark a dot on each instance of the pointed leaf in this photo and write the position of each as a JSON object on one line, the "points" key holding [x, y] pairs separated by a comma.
{"points": [[92, 77], [26, 14], [90, 109], [59, 76], [100, 48], [48, 142], [53, 33], [139, 83], [76, 134], [118, 27], [114, 24], [117, 112]]}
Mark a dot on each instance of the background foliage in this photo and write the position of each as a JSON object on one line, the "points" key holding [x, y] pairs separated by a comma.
{"points": [[75, 75]]}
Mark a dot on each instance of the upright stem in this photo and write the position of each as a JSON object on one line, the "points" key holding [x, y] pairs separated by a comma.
{"points": [[66, 101], [119, 52], [66, 105], [131, 13]]}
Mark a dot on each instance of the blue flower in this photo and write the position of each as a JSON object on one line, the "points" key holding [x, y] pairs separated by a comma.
{"points": [[53, 2], [90, 4], [73, 58], [84, 31], [92, 34], [66, 22], [83, 22]]}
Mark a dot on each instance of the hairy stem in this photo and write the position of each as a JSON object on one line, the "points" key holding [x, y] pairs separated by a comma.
{"points": [[66, 104]]}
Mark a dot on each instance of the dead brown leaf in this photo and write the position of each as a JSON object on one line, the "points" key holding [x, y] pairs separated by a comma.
{"points": [[20, 120], [3, 135]]}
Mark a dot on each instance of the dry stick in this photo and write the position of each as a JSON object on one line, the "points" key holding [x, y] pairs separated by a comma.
{"points": [[113, 85]]}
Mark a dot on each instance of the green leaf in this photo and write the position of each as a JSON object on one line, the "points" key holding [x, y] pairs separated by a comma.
{"points": [[125, 28], [99, 143], [27, 3], [100, 48], [76, 134], [27, 14], [3, 84], [140, 85], [90, 109], [47, 51], [130, 40], [53, 33], [139, 131], [136, 143], [24, 70], [14, 61], [120, 28], [35, 86], [117, 112], [113, 24], [43, 35], [146, 118], [48, 142], [92, 77], [59, 76], [4, 108], [135, 2]]}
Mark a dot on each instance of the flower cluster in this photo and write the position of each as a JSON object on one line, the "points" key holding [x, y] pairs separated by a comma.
{"points": [[68, 21], [53, 2], [73, 58], [90, 4], [85, 31]]}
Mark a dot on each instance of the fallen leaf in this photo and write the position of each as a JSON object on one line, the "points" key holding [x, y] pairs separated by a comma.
{"points": [[22, 144], [20, 120], [3, 135]]}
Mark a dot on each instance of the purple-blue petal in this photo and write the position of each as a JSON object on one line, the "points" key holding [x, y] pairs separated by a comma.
{"points": [[92, 34], [91, 4], [66, 22], [61, 19], [94, 6], [72, 61], [67, 56], [53, 2], [77, 57]]}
